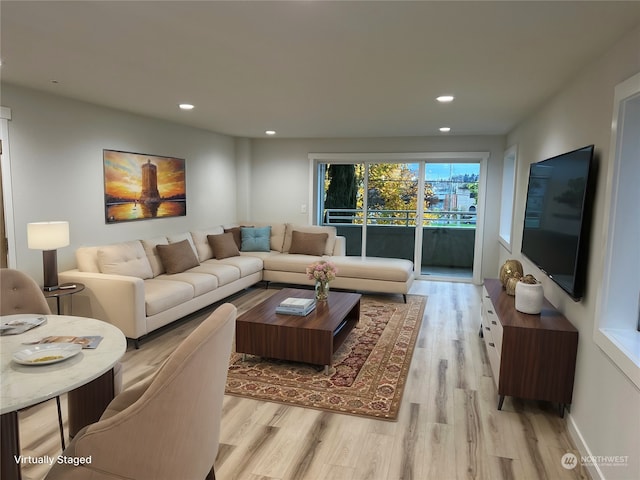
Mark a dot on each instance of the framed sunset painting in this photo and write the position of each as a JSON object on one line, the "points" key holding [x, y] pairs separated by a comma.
{"points": [[141, 187]]}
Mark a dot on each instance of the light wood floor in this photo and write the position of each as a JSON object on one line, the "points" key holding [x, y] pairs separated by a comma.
{"points": [[448, 427]]}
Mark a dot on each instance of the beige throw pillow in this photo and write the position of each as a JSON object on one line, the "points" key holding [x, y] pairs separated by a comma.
{"points": [[223, 245], [308, 243], [177, 257]]}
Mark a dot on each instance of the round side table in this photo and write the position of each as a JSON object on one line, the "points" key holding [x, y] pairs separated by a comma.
{"points": [[66, 289]]}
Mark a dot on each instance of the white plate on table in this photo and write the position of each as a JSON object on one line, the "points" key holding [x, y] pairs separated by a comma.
{"points": [[46, 354]]}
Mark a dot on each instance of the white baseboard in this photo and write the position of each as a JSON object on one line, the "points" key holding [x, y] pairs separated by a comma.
{"points": [[594, 471]]}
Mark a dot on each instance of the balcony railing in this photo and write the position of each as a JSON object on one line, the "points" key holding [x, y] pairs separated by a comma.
{"points": [[407, 218], [447, 236]]}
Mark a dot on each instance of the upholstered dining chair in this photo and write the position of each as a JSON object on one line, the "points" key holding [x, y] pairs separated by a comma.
{"points": [[166, 427], [20, 294]]}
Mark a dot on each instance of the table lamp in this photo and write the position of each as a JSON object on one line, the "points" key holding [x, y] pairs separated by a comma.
{"points": [[47, 236]]}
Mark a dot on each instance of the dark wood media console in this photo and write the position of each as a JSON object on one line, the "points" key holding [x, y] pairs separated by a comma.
{"points": [[532, 356]]}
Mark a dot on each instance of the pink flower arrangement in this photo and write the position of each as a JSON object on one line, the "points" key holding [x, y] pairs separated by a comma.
{"points": [[323, 271]]}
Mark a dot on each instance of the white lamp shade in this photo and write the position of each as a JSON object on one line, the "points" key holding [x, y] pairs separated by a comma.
{"points": [[47, 235]]}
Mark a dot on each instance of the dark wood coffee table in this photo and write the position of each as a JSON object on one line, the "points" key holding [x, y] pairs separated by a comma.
{"points": [[311, 339]]}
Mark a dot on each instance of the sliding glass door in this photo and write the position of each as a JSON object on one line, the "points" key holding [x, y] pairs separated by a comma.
{"points": [[421, 207], [449, 219], [391, 209]]}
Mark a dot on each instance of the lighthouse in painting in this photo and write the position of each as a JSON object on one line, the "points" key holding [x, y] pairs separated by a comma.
{"points": [[149, 192]]}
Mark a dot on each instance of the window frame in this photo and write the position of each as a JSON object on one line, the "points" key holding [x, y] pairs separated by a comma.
{"points": [[615, 327], [507, 197]]}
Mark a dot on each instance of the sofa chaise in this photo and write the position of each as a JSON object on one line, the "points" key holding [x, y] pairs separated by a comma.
{"points": [[142, 285]]}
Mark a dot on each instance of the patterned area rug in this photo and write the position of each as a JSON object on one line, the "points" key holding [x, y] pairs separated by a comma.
{"points": [[369, 370]]}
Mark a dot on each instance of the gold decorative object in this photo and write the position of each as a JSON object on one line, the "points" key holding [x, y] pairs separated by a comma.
{"points": [[529, 279], [510, 269], [510, 286]]}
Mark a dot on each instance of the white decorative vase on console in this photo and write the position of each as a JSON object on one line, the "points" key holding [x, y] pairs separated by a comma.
{"points": [[529, 297]]}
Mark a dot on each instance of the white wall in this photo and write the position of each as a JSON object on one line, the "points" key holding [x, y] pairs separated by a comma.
{"points": [[57, 172], [605, 415], [281, 175], [243, 178]]}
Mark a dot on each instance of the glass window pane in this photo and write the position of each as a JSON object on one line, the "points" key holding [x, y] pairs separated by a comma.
{"points": [[450, 203], [341, 202], [451, 194], [392, 200]]}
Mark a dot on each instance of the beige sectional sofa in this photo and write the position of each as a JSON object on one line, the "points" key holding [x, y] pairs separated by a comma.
{"points": [[142, 285]]}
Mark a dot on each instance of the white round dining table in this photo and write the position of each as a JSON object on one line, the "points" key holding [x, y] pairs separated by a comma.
{"points": [[26, 385]]}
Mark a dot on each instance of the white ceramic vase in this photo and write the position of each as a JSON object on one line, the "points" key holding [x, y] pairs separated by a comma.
{"points": [[529, 297]]}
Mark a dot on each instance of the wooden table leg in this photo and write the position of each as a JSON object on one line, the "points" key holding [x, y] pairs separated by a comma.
{"points": [[88, 402], [9, 446]]}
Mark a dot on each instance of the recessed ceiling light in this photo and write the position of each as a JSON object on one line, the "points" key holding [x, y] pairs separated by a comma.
{"points": [[270, 132], [186, 106], [445, 98], [445, 129]]}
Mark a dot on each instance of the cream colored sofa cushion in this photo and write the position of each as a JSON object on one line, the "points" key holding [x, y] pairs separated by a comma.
{"points": [[201, 283], [127, 258], [150, 249], [201, 244], [224, 273], [385, 269], [245, 264], [284, 262], [161, 295], [87, 259]]}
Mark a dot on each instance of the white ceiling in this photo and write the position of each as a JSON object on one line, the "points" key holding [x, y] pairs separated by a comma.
{"points": [[311, 68]]}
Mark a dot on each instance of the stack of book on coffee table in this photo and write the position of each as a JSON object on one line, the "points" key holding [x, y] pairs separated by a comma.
{"points": [[296, 306]]}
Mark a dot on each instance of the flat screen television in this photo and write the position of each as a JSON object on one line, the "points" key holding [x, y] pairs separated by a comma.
{"points": [[557, 219]]}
